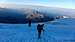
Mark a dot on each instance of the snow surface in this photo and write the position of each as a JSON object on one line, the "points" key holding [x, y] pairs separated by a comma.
{"points": [[62, 30]]}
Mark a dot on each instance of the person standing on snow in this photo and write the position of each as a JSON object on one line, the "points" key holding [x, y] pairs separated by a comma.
{"points": [[40, 29], [29, 17]]}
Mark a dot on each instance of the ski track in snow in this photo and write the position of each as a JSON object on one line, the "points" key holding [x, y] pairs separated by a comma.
{"points": [[60, 31]]}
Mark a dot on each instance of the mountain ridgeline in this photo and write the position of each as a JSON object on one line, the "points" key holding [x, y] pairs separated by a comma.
{"points": [[21, 15], [15, 16]]}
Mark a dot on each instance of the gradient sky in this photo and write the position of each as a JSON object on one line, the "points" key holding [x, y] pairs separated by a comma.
{"points": [[50, 3]]}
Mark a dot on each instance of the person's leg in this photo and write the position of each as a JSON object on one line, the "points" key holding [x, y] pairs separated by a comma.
{"points": [[39, 35], [29, 24]]}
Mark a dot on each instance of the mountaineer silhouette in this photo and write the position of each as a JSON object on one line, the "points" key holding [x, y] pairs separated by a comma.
{"points": [[29, 17], [40, 29]]}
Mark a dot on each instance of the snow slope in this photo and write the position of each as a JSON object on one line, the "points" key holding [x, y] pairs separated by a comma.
{"points": [[62, 30]]}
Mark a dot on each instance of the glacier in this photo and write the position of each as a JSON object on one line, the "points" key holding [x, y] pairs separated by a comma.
{"points": [[62, 30]]}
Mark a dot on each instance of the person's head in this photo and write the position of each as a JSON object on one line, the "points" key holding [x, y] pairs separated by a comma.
{"points": [[38, 24], [42, 25]]}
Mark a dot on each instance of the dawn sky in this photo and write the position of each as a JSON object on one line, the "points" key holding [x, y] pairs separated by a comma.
{"points": [[50, 3]]}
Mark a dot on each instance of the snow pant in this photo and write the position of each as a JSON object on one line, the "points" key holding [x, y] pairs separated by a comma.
{"points": [[39, 34], [29, 24]]}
